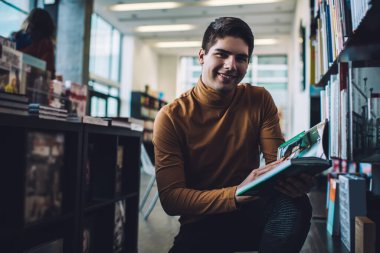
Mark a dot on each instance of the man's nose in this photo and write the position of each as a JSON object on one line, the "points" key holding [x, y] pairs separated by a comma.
{"points": [[230, 63]]}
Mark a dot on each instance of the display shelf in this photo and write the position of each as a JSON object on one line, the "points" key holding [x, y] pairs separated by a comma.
{"points": [[146, 107], [47, 157]]}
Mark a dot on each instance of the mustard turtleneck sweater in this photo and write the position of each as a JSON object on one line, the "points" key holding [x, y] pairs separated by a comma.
{"points": [[206, 143]]}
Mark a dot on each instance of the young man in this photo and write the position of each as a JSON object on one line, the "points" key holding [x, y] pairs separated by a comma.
{"points": [[207, 144]]}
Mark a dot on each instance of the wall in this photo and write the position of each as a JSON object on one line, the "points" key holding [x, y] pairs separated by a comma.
{"points": [[299, 100], [139, 67], [167, 75], [145, 66]]}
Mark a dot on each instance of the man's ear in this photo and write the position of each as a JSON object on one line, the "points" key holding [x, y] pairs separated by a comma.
{"points": [[201, 55]]}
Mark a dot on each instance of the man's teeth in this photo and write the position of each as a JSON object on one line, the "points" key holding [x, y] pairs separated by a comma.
{"points": [[227, 76]]}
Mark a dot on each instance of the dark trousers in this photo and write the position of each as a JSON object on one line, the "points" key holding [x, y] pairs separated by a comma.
{"points": [[271, 224]]}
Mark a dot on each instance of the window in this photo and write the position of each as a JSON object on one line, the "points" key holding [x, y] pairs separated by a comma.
{"points": [[104, 100], [190, 70], [12, 14], [271, 72], [105, 52], [104, 49]]}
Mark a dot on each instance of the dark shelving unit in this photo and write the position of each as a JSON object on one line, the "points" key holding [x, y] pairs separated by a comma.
{"points": [[361, 49], [146, 107], [76, 210]]}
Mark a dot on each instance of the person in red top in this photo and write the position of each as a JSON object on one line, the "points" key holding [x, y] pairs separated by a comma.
{"points": [[36, 38], [207, 144]]}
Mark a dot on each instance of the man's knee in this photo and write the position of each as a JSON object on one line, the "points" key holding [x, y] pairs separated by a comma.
{"points": [[289, 216]]}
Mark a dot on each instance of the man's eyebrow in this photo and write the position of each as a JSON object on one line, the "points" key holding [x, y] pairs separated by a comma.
{"points": [[228, 52]]}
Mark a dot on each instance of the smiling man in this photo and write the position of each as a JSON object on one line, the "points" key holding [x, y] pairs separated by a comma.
{"points": [[207, 145]]}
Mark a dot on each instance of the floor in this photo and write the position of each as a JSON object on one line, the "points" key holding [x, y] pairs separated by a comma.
{"points": [[157, 232]]}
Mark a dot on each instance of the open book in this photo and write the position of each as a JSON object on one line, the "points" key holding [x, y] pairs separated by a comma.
{"points": [[304, 153]]}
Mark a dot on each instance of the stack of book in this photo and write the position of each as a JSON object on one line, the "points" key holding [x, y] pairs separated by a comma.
{"points": [[13, 104], [73, 117], [47, 112], [127, 122]]}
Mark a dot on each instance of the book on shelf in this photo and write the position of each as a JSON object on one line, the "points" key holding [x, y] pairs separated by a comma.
{"points": [[36, 106], [15, 105], [88, 235], [13, 98], [50, 247], [352, 203], [305, 153], [119, 169], [94, 120], [87, 120], [47, 112], [10, 71], [127, 122], [57, 94], [14, 111], [119, 227], [50, 117], [365, 235], [332, 224], [44, 164], [77, 98], [87, 173]]}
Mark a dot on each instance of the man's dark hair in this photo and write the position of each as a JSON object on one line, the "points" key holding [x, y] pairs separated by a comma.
{"points": [[40, 24], [227, 26]]}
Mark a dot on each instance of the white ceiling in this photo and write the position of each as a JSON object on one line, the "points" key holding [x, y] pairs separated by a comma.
{"points": [[272, 20]]}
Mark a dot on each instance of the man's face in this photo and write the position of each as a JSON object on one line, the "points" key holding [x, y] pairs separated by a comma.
{"points": [[225, 64]]}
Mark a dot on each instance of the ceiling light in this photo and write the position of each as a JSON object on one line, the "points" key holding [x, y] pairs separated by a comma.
{"points": [[236, 2], [172, 44], [144, 6], [265, 42], [164, 28]]}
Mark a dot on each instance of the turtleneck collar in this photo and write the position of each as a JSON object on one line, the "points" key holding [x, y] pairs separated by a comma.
{"points": [[209, 96]]}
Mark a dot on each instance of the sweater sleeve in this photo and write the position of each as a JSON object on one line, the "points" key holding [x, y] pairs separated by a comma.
{"points": [[176, 198], [270, 133]]}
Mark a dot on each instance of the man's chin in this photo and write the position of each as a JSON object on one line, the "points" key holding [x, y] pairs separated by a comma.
{"points": [[225, 88]]}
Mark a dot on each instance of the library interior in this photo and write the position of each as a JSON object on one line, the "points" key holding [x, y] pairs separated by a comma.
{"points": [[87, 87]]}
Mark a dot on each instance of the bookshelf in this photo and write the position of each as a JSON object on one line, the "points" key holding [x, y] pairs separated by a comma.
{"points": [[345, 59], [67, 186], [362, 48], [146, 107]]}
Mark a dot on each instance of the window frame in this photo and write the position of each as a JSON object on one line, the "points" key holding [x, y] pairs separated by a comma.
{"points": [[107, 80]]}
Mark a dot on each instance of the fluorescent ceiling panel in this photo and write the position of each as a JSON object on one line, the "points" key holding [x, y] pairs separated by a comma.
{"points": [[176, 44], [164, 28], [145, 6], [236, 2]]}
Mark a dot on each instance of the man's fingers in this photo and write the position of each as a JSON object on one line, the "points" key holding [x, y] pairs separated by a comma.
{"points": [[268, 167]]}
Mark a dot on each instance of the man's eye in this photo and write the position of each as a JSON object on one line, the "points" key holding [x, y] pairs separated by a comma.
{"points": [[222, 55], [241, 59]]}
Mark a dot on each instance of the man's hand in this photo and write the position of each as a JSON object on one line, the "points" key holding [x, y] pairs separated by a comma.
{"points": [[295, 186], [253, 175]]}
